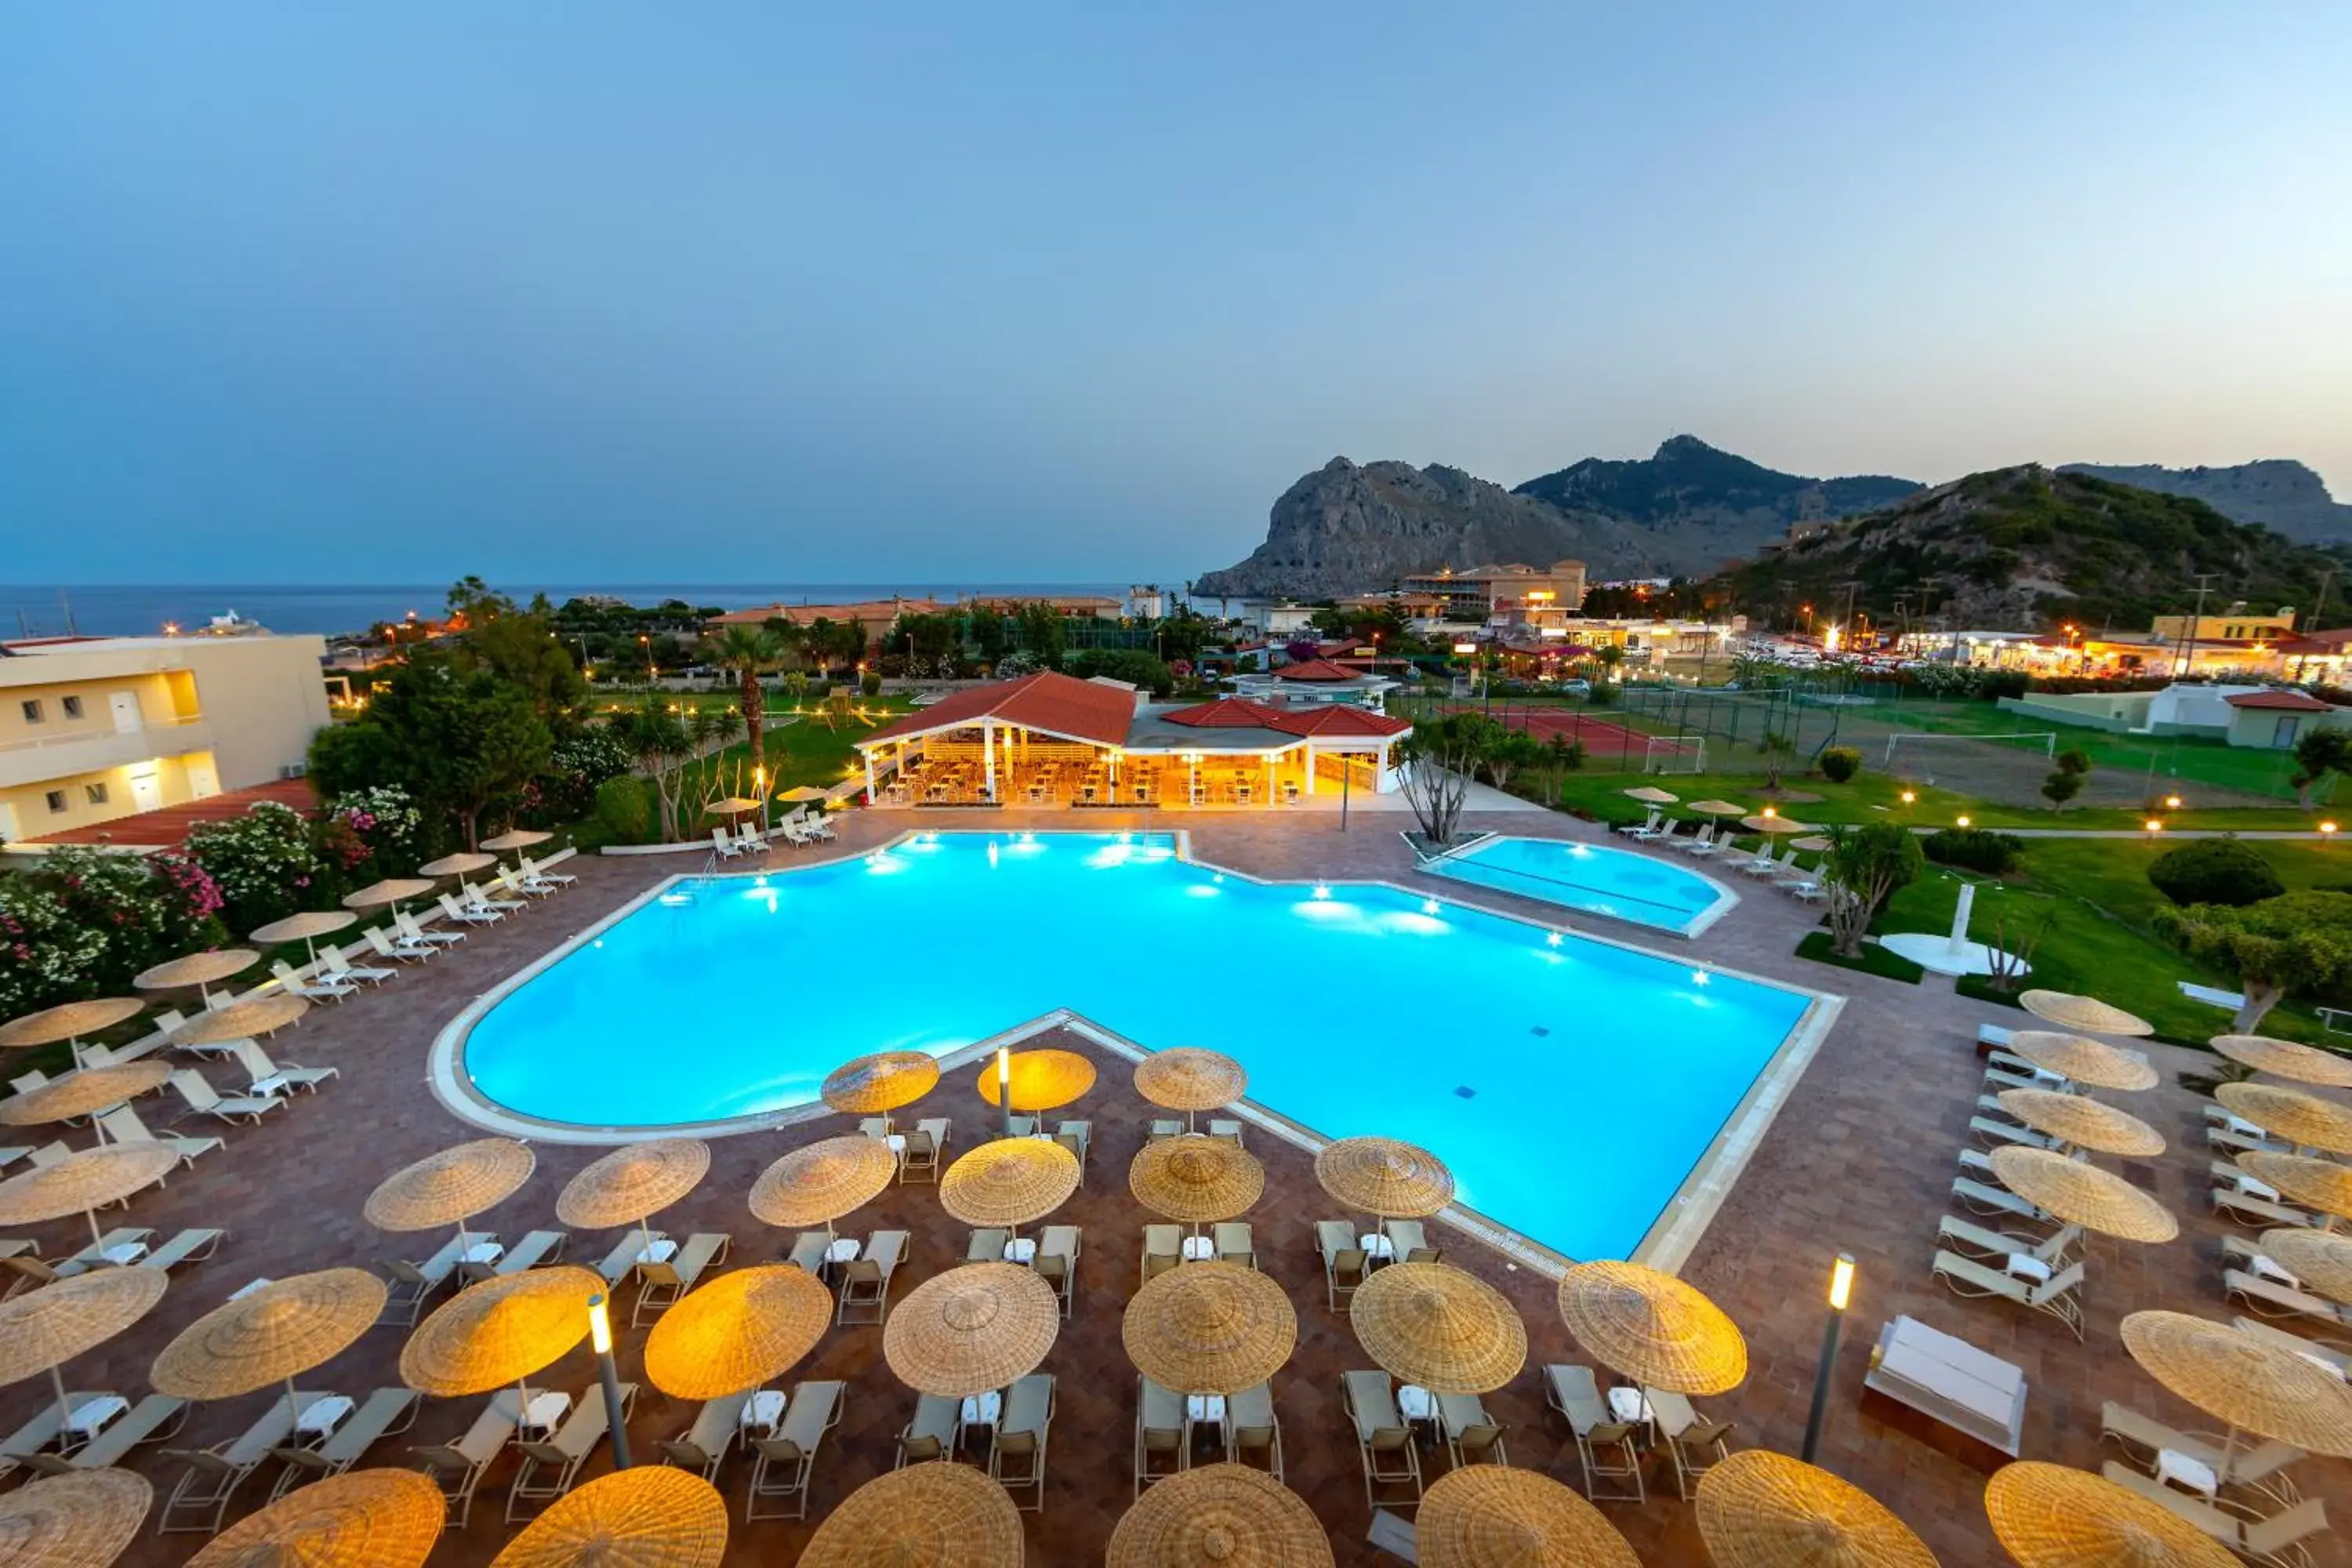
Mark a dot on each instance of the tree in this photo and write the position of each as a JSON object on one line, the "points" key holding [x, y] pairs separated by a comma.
{"points": [[1136, 666], [458, 740], [749, 652], [1776, 750], [2299, 942], [1864, 866], [1611, 656], [1440, 755], [2224, 871], [521, 649], [1042, 633], [662, 745], [2067, 783], [2321, 752], [1507, 753]]}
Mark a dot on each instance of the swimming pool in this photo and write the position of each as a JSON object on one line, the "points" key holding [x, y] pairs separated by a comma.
{"points": [[1572, 1084], [1593, 877]]}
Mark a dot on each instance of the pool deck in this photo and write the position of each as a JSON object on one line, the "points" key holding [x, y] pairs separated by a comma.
{"points": [[1860, 1158]]}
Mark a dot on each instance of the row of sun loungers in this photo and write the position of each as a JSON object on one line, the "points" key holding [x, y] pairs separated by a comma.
{"points": [[1784, 873], [2031, 1268], [797, 831]]}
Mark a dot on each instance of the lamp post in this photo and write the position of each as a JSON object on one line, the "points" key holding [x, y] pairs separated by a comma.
{"points": [[1840, 1292], [599, 1335], [759, 782], [1004, 1085], [647, 644]]}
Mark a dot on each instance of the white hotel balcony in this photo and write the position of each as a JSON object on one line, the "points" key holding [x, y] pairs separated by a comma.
{"points": [[69, 752]]}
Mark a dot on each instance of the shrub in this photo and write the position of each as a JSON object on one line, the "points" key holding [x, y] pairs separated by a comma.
{"points": [[871, 683], [1840, 764], [622, 811], [265, 863], [1973, 849], [83, 921], [2215, 871]]}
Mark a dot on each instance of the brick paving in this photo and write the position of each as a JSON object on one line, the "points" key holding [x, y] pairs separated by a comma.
{"points": [[1860, 1159]]}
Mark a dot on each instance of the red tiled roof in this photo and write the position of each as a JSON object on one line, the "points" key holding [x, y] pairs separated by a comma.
{"points": [[1227, 713], [1336, 718], [1316, 669], [170, 826], [2284, 702], [1058, 704]]}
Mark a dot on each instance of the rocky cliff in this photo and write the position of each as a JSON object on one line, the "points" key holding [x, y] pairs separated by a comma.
{"points": [[1349, 528], [2279, 493]]}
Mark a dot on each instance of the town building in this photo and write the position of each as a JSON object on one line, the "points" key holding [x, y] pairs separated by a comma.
{"points": [[1529, 595], [93, 729]]}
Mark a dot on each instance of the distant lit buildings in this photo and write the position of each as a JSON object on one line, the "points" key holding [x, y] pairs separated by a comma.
{"points": [[1529, 595]]}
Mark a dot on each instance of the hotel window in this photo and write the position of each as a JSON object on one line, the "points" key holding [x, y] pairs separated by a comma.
{"points": [[72, 706], [57, 799], [32, 710], [95, 794]]}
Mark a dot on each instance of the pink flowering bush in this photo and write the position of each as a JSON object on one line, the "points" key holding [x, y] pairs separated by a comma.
{"points": [[264, 863], [83, 921]]}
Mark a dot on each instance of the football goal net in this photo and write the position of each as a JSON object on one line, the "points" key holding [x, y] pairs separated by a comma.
{"points": [[1916, 755], [1675, 754]]}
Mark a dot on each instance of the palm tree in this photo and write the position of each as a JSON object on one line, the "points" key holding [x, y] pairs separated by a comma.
{"points": [[750, 651]]}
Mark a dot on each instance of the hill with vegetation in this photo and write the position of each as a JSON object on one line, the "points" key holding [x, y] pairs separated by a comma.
{"points": [[2277, 492], [2027, 549]]}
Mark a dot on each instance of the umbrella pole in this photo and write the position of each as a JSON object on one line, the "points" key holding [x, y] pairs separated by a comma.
{"points": [[96, 1236], [294, 1411], [65, 1410]]}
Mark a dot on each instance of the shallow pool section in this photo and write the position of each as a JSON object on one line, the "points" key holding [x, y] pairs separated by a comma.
{"points": [[1592, 877], [1572, 1084]]}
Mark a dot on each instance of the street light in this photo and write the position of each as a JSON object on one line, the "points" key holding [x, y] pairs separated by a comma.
{"points": [[1910, 797], [1959, 822], [1004, 1085], [2172, 802], [599, 1335], [2154, 826], [1841, 1293], [2326, 831]]}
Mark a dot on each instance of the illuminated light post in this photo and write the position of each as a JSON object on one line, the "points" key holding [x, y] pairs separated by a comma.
{"points": [[647, 644], [1960, 822], [2172, 802], [1004, 1085], [1841, 1293], [2153, 825], [1910, 797], [600, 1336]]}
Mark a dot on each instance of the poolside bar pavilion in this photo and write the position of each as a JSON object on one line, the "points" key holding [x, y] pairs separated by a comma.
{"points": [[1054, 740]]}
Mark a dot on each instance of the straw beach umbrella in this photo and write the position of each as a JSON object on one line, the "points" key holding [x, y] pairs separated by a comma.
{"points": [[1762, 1509], [2083, 1123], [2304, 1119], [937, 1514], [878, 1084], [1041, 1080], [515, 838], [733, 805], [2287, 1059], [1711, 809], [1492, 1516], [2052, 1516], [393, 891], [83, 1093], [361, 1519], [43, 1329], [743, 1328], [200, 970], [2323, 1261], [2083, 1015], [1440, 1328], [974, 1328], [824, 1180], [1652, 1327], [1210, 1328], [69, 1022], [285, 1328], [82, 1521], [462, 864], [1651, 794], [1011, 1181], [83, 1183], [1386, 1177], [500, 1332], [1189, 1079], [2082, 1193], [451, 1187], [246, 1020], [1195, 1179], [1768, 825], [306, 928], [2084, 1060], [633, 1183], [1219, 1516], [654, 1516], [2252, 1385], [2321, 1185]]}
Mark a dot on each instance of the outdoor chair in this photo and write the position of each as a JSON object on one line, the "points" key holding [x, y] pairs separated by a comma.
{"points": [[1343, 1261], [2037, 1288], [1236, 1244], [987, 1246], [269, 1078], [406, 950], [2336, 1356], [1975, 1240], [1016, 1454], [865, 1279], [2269, 1299], [705, 1446], [1163, 1249], [1252, 1432], [432, 936], [808, 1252], [1608, 1449], [1391, 1457], [1693, 1444], [152, 1420], [919, 1160], [2277, 1540], [339, 965], [387, 1412], [550, 1465], [2144, 1438], [1166, 1128], [1978, 1198], [535, 1248], [123, 1126], [2239, 1203], [199, 1094], [1409, 1240], [787, 1461], [467, 914], [1159, 1434], [522, 888], [723, 844], [663, 1283], [414, 1283], [627, 1254], [16, 1450], [199, 1499], [1076, 1137], [1472, 1435], [1226, 1130], [476, 898], [319, 988], [538, 872], [458, 1467], [932, 1434], [1056, 1262], [1995, 1134]]}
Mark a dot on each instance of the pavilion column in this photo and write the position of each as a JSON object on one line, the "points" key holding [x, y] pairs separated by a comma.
{"points": [[987, 751], [1267, 774], [1309, 754], [869, 777]]}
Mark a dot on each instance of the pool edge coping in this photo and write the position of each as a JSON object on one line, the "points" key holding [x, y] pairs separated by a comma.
{"points": [[1669, 1242]]}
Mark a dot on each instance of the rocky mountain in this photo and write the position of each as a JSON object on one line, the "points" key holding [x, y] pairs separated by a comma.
{"points": [[2024, 549], [1357, 528], [2277, 492]]}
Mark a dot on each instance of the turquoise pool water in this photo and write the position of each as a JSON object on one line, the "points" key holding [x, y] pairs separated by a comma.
{"points": [[1572, 1084], [1593, 877]]}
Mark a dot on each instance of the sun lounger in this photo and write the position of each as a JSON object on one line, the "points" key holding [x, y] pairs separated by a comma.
{"points": [[865, 1279], [723, 844], [2270, 1298], [193, 1086], [340, 965], [1701, 843], [809, 1250], [622, 1261], [1965, 1238], [704, 1446], [2143, 1437], [408, 950], [387, 1413], [1252, 1432], [535, 1248], [1471, 1437], [934, 1432], [317, 989], [533, 869], [41, 1430], [1160, 1450], [1384, 1444], [1077, 1137], [2335, 1353], [1976, 1197], [787, 1461], [467, 914], [661, 1284], [199, 1499], [1344, 1262], [1409, 1239], [132, 1247], [1163, 1249], [986, 1246], [1599, 1435], [522, 889], [477, 898], [550, 1465], [919, 1159], [2242, 1205], [270, 1079], [146, 1044], [2053, 1294], [153, 1419], [1056, 1262], [458, 1467], [1016, 1449], [414, 1283], [1994, 1134], [432, 936], [1167, 1127], [2277, 1540], [1236, 1244], [122, 1125]]}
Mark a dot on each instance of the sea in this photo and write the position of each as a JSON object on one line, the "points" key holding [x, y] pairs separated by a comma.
{"points": [[330, 609]]}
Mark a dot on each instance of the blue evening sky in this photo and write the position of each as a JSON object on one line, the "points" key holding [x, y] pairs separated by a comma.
{"points": [[311, 293]]}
